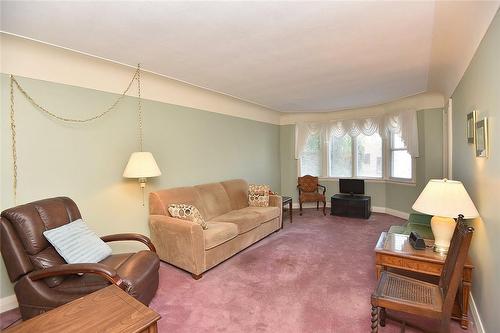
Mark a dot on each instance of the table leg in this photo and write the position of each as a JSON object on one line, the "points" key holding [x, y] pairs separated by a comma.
{"points": [[290, 208]]}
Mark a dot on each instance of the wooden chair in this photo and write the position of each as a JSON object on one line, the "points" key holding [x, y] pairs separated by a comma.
{"points": [[404, 294], [309, 192]]}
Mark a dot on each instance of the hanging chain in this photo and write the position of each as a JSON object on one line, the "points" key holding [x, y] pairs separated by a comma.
{"points": [[139, 113], [13, 81], [139, 104], [74, 120], [13, 142]]}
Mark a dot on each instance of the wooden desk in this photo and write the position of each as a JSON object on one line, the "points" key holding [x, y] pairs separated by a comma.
{"points": [[107, 310], [394, 251]]}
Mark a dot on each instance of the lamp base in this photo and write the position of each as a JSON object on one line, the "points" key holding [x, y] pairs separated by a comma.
{"points": [[440, 249], [442, 228]]}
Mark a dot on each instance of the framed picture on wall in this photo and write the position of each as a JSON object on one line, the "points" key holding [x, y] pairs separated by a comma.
{"points": [[482, 138], [471, 127]]}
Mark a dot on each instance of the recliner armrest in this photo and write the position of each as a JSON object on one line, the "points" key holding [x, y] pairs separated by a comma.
{"points": [[130, 236], [69, 269]]}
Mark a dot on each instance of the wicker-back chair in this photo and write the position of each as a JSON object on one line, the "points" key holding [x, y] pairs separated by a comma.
{"points": [[401, 293]]}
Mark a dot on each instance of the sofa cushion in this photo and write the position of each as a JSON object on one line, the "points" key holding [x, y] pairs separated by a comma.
{"points": [[218, 233], [48, 258], [88, 283], [246, 220], [215, 200], [159, 201], [266, 213], [237, 190]]}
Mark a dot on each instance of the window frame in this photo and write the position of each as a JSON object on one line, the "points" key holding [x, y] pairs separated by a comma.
{"points": [[386, 163], [354, 159], [389, 162]]}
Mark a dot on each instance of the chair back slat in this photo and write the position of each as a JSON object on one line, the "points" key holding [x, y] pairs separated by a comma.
{"points": [[454, 263]]}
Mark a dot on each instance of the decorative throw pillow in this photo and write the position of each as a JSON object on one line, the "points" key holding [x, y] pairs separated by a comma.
{"points": [[258, 195], [76, 243], [187, 212]]}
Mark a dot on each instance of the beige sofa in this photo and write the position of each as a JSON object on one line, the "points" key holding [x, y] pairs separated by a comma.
{"points": [[232, 224]]}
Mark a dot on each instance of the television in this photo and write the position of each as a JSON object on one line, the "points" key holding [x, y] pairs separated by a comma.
{"points": [[352, 186]]}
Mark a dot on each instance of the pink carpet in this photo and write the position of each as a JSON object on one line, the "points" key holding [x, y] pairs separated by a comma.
{"points": [[316, 275]]}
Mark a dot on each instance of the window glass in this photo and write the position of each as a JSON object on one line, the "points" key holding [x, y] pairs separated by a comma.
{"points": [[310, 163], [369, 162], [401, 161], [401, 164], [341, 156], [397, 142]]}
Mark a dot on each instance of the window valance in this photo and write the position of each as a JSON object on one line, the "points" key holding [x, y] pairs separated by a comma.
{"points": [[402, 122]]}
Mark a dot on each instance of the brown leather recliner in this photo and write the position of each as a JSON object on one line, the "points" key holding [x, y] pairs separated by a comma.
{"points": [[45, 281]]}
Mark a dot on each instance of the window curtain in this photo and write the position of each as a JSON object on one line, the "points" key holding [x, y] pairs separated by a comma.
{"points": [[402, 122]]}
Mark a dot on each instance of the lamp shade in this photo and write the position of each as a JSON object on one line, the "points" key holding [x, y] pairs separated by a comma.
{"points": [[141, 165], [447, 198]]}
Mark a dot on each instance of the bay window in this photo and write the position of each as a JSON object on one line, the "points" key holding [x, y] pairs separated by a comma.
{"points": [[361, 156]]}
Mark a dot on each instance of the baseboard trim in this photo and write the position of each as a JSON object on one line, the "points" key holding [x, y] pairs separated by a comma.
{"points": [[375, 209], [8, 303], [296, 205], [397, 213], [475, 316]]}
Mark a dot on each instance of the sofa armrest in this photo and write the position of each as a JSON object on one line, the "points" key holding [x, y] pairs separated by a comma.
{"points": [[275, 200], [178, 242]]}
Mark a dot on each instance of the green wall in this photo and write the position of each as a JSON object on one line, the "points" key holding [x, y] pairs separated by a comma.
{"points": [[86, 162], [479, 90], [428, 166], [398, 197]]}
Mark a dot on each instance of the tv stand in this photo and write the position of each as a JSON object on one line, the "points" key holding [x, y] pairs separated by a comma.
{"points": [[351, 205]]}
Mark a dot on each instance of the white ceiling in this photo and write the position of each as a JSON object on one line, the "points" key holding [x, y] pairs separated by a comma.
{"points": [[288, 56]]}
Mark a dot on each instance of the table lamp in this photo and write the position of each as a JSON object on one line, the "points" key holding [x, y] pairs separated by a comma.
{"points": [[445, 200]]}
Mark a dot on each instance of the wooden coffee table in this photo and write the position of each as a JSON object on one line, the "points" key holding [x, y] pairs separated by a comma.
{"points": [[107, 310], [394, 251]]}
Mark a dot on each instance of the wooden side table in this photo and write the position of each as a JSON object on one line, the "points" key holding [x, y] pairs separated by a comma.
{"points": [[394, 251], [287, 201], [107, 310]]}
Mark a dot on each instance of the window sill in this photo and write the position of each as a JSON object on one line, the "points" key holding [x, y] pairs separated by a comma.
{"points": [[403, 182]]}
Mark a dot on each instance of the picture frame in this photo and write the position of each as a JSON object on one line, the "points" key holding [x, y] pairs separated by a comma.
{"points": [[471, 127], [482, 138]]}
